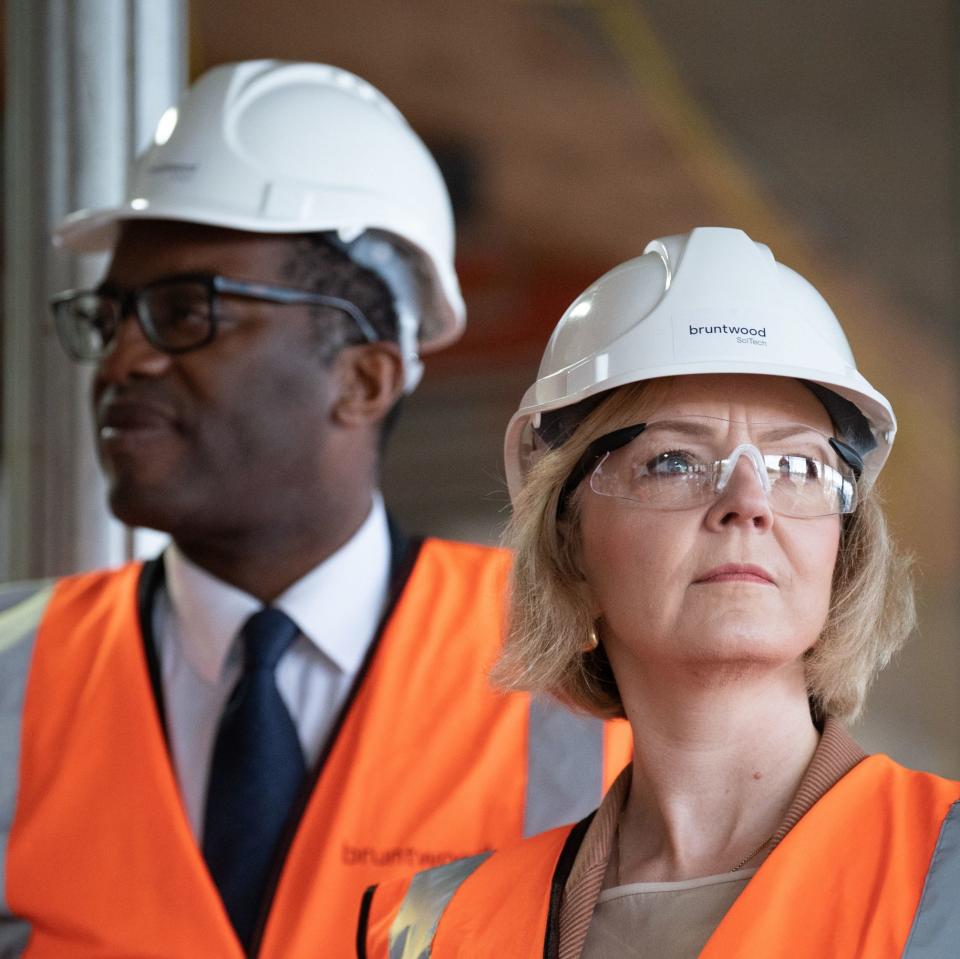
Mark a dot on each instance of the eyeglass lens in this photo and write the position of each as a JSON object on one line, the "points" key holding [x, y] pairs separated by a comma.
{"points": [[86, 324], [174, 316]]}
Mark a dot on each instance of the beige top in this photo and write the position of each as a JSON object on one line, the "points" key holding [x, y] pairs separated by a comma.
{"points": [[666, 920], [835, 756]]}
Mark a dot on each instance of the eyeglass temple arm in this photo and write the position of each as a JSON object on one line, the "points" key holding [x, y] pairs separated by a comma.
{"points": [[849, 455], [595, 451], [284, 295]]}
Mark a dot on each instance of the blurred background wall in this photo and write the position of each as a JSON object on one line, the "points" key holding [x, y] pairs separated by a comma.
{"points": [[573, 131]]}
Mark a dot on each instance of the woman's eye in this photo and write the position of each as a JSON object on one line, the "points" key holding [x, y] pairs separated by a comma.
{"points": [[798, 466], [671, 463]]}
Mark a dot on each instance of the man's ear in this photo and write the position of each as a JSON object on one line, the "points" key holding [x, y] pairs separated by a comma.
{"points": [[369, 381]]}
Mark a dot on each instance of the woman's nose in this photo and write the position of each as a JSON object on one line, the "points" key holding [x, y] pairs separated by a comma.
{"points": [[744, 494]]}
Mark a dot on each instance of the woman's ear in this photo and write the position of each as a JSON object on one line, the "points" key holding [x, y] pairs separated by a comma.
{"points": [[568, 537], [369, 381], [586, 596]]}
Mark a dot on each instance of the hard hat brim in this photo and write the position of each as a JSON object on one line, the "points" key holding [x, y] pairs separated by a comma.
{"points": [[97, 231]]}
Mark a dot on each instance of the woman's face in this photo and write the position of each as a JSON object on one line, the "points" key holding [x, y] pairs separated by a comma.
{"points": [[725, 583]]}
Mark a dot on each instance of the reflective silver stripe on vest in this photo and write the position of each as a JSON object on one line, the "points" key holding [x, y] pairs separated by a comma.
{"points": [[415, 925], [21, 609], [564, 766], [936, 926]]}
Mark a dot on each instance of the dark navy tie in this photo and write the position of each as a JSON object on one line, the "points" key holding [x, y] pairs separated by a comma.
{"points": [[255, 776]]}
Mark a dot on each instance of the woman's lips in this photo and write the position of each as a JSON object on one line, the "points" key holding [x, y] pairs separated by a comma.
{"points": [[737, 573]]}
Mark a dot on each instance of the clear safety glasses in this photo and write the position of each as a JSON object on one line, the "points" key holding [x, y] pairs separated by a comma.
{"points": [[686, 461]]}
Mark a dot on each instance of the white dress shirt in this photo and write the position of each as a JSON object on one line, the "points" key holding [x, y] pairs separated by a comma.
{"points": [[197, 620]]}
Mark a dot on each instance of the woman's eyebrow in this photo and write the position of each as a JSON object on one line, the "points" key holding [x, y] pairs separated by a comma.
{"points": [[791, 430], [686, 427], [702, 430]]}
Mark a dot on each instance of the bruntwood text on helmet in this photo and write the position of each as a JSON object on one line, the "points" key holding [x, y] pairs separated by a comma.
{"points": [[744, 334], [740, 330]]}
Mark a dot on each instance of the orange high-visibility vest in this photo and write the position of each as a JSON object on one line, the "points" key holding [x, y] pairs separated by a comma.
{"points": [[872, 871], [428, 764]]}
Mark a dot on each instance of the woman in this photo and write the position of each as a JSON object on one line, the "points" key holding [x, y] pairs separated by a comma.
{"points": [[699, 548]]}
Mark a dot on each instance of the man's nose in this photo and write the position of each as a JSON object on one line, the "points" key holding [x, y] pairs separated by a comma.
{"points": [[131, 355]]}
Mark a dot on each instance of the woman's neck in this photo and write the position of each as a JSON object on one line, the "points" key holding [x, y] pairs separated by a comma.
{"points": [[715, 768]]}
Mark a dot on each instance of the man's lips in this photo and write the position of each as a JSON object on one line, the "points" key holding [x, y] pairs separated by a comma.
{"points": [[119, 419], [737, 572]]}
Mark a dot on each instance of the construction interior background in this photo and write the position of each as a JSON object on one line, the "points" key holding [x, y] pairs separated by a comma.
{"points": [[570, 133]]}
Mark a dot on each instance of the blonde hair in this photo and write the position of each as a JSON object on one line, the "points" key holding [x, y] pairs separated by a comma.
{"points": [[549, 614]]}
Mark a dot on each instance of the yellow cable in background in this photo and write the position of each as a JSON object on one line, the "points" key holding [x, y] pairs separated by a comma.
{"points": [[885, 341], [697, 142]]}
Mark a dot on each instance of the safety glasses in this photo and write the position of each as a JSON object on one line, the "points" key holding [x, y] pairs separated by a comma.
{"points": [[687, 461]]}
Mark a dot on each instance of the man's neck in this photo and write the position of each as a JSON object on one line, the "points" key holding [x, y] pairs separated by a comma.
{"points": [[266, 562]]}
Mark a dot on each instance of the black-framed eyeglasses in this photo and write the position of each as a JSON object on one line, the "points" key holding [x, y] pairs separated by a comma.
{"points": [[176, 313]]}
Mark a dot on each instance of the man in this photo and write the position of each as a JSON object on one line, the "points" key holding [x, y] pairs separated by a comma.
{"points": [[214, 753]]}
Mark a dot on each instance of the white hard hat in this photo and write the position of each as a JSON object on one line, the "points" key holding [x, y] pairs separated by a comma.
{"points": [[711, 301], [274, 147]]}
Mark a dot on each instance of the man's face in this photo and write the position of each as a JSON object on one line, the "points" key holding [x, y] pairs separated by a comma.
{"points": [[232, 436]]}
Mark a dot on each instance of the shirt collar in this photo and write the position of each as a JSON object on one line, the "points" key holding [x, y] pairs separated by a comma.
{"points": [[337, 605]]}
